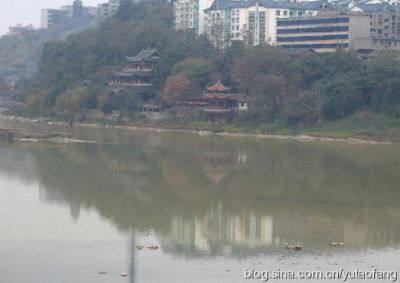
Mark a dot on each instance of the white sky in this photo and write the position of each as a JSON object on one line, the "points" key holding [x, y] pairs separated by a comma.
{"points": [[28, 11]]}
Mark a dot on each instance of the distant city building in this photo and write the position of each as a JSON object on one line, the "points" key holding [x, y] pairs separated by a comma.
{"points": [[113, 6], [19, 28], [103, 10], [51, 17], [88, 10], [69, 9], [253, 21], [110, 8]]}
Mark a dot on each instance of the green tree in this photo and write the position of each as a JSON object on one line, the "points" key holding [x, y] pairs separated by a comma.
{"points": [[256, 61], [266, 97], [198, 70], [72, 101]]}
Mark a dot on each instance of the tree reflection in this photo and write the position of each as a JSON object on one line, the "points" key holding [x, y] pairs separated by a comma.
{"points": [[219, 196]]}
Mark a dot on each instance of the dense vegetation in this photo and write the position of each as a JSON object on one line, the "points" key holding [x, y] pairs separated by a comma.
{"points": [[300, 91]]}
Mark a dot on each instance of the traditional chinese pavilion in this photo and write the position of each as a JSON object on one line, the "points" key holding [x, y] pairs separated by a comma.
{"points": [[137, 72], [221, 104]]}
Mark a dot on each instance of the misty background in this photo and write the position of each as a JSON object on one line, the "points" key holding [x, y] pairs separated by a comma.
{"points": [[29, 11]]}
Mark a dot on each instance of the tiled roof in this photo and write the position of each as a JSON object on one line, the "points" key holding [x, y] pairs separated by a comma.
{"points": [[146, 54], [229, 4], [123, 74], [218, 87], [365, 5], [376, 7], [295, 52]]}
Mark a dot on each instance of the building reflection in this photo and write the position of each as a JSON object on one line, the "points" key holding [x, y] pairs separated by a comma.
{"points": [[215, 196], [133, 258], [216, 233]]}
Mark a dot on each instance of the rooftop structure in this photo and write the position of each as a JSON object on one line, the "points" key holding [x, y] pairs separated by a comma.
{"points": [[298, 52]]}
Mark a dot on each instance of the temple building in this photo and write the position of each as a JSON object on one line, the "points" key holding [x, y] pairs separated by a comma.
{"points": [[137, 72], [219, 103]]}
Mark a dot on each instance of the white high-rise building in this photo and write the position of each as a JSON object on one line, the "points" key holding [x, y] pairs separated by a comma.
{"points": [[190, 14], [254, 23], [109, 8]]}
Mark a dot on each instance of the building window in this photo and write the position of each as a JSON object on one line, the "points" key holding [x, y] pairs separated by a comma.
{"points": [[278, 12]]}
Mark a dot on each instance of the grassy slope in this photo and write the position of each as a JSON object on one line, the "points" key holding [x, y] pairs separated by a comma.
{"points": [[372, 126]]}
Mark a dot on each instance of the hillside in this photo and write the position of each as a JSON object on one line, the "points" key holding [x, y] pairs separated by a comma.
{"points": [[21, 53], [309, 93]]}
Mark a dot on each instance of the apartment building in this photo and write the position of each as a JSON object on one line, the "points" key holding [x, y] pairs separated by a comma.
{"points": [[364, 26], [325, 32], [253, 21], [384, 23]]}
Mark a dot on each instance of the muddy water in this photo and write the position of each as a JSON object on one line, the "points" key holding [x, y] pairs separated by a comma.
{"points": [[214, 207]]}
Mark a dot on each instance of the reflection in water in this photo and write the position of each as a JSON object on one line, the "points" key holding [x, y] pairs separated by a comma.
{"points": [[207, 196]]}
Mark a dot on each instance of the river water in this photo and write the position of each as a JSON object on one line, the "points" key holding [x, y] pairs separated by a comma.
{"points": [[214, 207]]}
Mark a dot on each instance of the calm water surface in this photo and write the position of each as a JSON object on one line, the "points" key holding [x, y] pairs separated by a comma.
{"points": [[214, 206]]}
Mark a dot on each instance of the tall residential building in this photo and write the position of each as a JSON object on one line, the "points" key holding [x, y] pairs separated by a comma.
{"points": [[384, 19], [113, 6], [253, 21], [109, 8], [103, 10], [189, 14]]}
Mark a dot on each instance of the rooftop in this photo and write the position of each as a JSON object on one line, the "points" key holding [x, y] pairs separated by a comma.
{"points": [[218, 87], [229, 4], [297, 52], [144, 55]]}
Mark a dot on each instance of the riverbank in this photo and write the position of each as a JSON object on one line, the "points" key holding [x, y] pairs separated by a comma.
{"points": [[30, 135], [205, 129]]}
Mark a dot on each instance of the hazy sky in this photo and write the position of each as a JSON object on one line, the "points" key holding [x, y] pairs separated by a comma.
{"points": [[28, 11]]}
